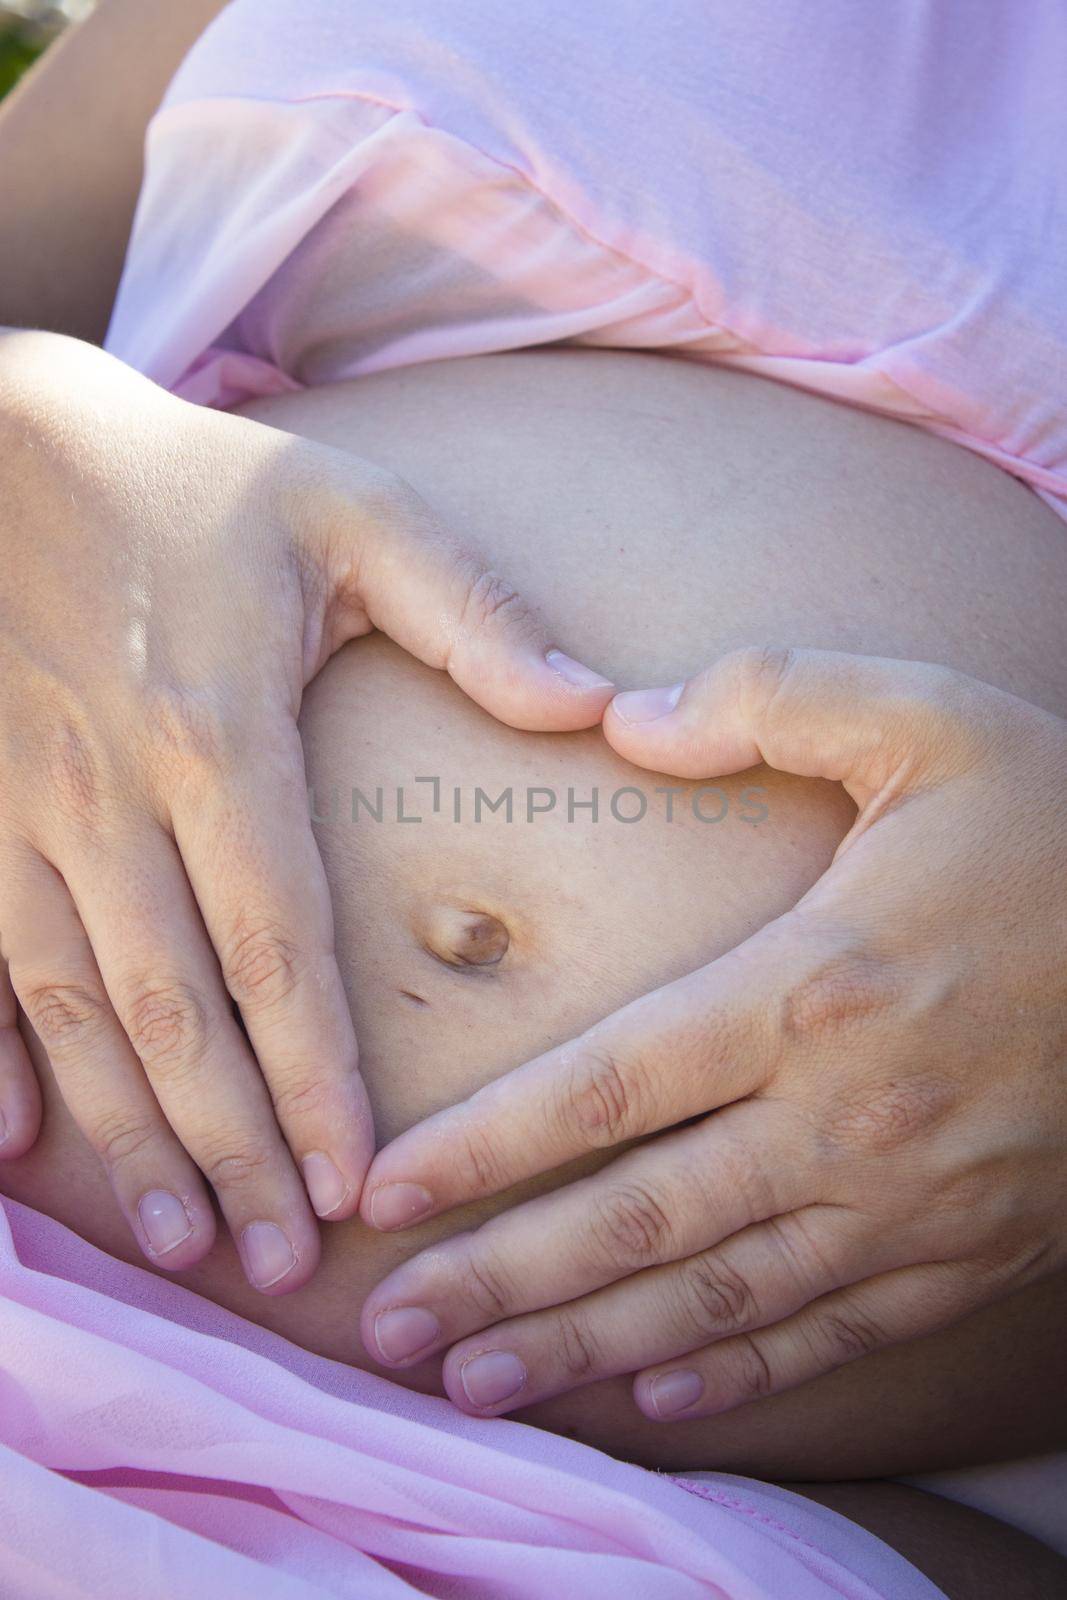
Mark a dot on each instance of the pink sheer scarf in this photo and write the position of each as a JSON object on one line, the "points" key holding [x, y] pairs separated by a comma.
{"points": [[153, 1444]]}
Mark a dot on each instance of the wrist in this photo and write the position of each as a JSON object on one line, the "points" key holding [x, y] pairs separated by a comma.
{"points": [[34, 375], [56, 390]]}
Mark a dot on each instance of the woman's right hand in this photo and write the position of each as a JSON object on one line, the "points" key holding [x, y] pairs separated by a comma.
{"points": [[171, 580]]}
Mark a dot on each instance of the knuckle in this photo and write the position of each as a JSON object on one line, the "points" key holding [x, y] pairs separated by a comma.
{"points": [[760, 673], [260, 964], [964, 1201], [890, 1116], [932, 714], [165, 1022], [749, 1175], [387, 495], [576, 1351], [598, 1097], [841, 989], [73, 774], [938, 693], [754, 1379], [716, 1299], [488, 599], [401, 520], [311, 1099], [117, 1139], [486, 1288], [801, 1253], [187, 731], [478, 1163], [847, 1335], [630, 1226], [236, 1165], [63, 1014], [389, 506]]}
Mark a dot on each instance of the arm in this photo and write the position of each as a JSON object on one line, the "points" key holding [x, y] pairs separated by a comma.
{"points": [[71, 140]]}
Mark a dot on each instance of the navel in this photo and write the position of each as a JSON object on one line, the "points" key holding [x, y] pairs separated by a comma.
{"points": [[463, 937]]}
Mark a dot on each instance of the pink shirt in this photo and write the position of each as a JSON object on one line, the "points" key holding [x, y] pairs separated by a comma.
{"points": [[869, 201]]}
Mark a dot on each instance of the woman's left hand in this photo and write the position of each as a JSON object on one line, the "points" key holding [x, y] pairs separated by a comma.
{"points": [[885, 1066]]}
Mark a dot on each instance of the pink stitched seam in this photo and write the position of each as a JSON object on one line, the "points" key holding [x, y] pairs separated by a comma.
{"points": [[731, 1504]]}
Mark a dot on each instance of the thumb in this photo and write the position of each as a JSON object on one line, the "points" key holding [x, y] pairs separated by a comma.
{"points": [[393, 564], [862, 721]]}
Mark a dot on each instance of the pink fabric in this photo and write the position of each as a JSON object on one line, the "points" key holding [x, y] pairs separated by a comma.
{"points": [[866, 201], [152, 1444]]}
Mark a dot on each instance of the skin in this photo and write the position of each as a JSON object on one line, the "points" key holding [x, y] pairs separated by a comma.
{"points": [[596, 915], [968, 1555]]}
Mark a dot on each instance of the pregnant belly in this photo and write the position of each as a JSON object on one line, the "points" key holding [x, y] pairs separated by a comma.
{"points": [[661, 511], [658, 512]]}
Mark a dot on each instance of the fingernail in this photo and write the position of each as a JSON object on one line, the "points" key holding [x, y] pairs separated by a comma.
{"points": [[574, 672], [399, 1333], [326, 1188], [645, 705], [675, 1391], [491, 1377], [394, 1204], [267, 1252], [164, 1219]]}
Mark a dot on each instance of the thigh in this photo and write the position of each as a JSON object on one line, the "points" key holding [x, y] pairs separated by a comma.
{"points": [[967, 1554]]}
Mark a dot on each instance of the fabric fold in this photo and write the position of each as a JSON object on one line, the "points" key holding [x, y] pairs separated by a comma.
{"points": [[146, 1431]]}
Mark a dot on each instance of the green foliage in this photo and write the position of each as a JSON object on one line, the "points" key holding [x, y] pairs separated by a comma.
{"points": [[17, 52]]}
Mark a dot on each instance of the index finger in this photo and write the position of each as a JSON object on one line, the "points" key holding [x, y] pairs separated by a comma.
{"points": [[695, 1045]]}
